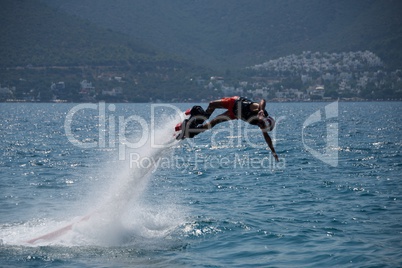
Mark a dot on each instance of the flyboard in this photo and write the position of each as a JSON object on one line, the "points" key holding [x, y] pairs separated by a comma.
{"points": [[59, 232], [195, 117]]}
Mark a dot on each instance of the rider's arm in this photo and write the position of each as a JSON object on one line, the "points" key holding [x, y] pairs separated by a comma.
{"points": [[262, 105], [270, 144]]}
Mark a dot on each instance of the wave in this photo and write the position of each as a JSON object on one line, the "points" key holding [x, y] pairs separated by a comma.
{"points": [[120, 214]]}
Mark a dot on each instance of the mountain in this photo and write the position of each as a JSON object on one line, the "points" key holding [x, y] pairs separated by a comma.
{"points": [[34, 33], [227, 34], [41, 46], [142, 50]]}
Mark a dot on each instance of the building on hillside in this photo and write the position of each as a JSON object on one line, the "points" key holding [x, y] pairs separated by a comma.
{"points": [[114, 92], [5, 93], [57, 88], [87, 91], [316, 92]]}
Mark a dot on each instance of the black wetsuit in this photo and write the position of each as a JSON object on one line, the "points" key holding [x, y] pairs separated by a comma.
{"points": [[242, 110]]}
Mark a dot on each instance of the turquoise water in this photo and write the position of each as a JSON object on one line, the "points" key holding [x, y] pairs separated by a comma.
{"points": [[218, 200]]}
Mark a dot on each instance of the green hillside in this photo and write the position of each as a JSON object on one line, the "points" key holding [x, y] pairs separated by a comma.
{"points": [[242, 32], [147, 50], [39, 46], [33, 33]]}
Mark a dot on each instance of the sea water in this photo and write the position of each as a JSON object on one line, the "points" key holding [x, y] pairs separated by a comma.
{"points": [[127, 194]]}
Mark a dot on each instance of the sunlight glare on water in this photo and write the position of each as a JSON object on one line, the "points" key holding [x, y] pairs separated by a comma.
{"points": [[212, 201]]}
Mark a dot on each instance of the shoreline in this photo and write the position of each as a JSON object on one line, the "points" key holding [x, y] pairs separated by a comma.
{"points": [[201, 101]]}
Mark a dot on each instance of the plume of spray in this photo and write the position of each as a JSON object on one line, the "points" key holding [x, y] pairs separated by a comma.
{"points": [[104, 224], [128, 184]]}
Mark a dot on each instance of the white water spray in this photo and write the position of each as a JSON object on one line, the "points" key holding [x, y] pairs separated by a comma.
{"points": [[110, 221]]}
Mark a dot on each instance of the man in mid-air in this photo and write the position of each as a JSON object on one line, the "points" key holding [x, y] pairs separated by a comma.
{"points": [[236, 108]]}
